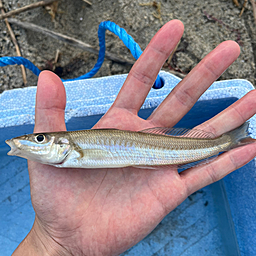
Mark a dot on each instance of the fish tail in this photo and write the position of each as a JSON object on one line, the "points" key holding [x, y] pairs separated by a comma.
{"points": [[240, 136]]}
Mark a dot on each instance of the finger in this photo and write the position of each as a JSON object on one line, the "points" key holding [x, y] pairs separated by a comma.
{"points": [[187, 92], [50, 103], [199, 177], [233, 116], [144, 72]]}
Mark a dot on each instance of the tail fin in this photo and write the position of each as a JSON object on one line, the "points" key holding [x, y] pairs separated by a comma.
{"points": [[240, 136]]}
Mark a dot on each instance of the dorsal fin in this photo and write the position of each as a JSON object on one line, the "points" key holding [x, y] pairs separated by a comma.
{"points": [[179, 132]]}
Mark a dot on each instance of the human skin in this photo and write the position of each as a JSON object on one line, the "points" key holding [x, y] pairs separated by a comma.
{"points": [[107, 211]]}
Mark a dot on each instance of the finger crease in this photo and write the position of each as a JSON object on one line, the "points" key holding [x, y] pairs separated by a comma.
{"points": [[212, 173], [239, 114], [144, 78], [184, 98], [233, 161], [210, 68], [159, 51], [51, 108]]}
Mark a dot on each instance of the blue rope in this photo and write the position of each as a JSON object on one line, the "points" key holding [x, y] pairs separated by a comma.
{"points": [[111, 26], [5, 61]]}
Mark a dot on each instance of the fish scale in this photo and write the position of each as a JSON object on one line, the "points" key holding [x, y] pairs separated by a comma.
{"points": [[131, 148]]}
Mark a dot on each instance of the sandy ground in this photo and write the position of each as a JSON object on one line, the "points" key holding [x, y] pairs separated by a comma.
{"points": [[207, 23]]}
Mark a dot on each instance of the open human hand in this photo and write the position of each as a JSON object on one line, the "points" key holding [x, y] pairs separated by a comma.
{"points": [[106, 211]]}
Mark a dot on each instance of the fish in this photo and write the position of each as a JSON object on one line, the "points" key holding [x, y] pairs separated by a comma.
{"points": [[113, 148]]}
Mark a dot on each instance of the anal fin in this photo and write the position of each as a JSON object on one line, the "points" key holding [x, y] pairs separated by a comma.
{"points": [[205, 161]]}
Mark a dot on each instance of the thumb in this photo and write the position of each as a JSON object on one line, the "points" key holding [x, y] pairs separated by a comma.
{"points": [[50, 103]]}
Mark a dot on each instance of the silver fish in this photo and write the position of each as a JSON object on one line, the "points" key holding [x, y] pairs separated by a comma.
{"points": [[110, 148]]}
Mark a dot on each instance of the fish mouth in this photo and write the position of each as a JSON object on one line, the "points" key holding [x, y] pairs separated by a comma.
{"points": [[14, 150]]}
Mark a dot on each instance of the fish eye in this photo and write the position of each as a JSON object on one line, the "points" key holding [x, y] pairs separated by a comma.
{"points": [[40, 138]]}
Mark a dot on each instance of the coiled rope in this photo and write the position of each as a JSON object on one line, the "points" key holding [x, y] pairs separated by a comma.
{"points": [[111, 26]]}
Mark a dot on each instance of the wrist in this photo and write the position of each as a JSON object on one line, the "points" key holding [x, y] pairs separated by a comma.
{"points": [[39, 243]]}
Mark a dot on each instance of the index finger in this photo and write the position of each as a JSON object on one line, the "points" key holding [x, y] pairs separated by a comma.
{"points": [[144, 72]]}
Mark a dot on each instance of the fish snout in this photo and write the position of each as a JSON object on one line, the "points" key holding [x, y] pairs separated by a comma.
{"points": [[14, 149]]}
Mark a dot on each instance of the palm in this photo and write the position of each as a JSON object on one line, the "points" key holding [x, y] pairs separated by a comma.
{"points": [[115, 200], [105, 211]]}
